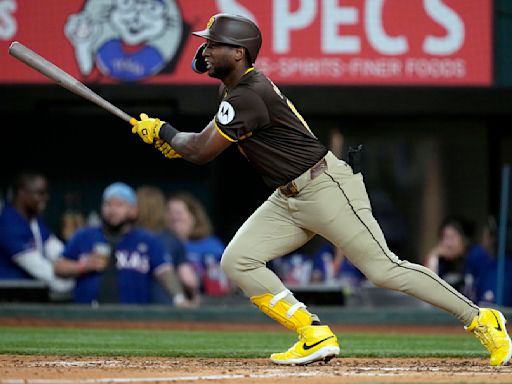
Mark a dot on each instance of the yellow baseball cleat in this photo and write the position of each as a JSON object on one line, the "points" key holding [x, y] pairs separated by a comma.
{"points": [[316, 343], [489, 327]]}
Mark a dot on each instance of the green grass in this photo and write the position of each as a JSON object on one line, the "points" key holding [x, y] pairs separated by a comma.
{"points": [[107, 342]]}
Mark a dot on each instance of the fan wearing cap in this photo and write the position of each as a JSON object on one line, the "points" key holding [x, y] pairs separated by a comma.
{"points": [[117, 261]]}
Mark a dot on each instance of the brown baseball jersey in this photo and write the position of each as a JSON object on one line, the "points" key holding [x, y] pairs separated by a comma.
{"points": [[268, 129]]}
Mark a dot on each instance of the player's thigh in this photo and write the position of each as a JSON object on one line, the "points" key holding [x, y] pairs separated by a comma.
{"points": [[268, 233], [348, 221]]}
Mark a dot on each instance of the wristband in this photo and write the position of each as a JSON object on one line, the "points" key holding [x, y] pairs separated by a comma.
{"points": [[167, 132], [82, 266]]}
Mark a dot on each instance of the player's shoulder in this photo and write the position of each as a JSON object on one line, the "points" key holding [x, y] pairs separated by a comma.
{"points": [[256, 82], [252, 82], [12, 223], [252, 89], [7, 212]]}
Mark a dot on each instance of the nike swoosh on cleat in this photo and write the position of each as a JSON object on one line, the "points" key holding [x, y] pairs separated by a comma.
{"points": [[498, 328], [306, 347]]}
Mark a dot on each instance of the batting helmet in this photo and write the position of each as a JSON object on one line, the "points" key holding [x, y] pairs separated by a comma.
{"points": [[234, 30]]}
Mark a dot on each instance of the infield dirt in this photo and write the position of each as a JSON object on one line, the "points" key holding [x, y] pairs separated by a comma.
{"points": [[97, 369]]}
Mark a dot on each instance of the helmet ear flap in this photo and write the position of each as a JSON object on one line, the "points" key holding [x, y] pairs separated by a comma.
{"points": [[198, 62]]}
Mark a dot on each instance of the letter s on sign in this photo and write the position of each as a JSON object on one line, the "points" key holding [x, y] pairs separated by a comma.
{"points": [[8, 25], [451, 21]]}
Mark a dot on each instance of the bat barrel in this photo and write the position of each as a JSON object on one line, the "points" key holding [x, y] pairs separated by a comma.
{"points": [[64, 79]]}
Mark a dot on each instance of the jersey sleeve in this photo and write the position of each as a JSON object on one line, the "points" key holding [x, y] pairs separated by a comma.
{"points": [[240, 114], [79, 243], [17, 240], [71, 250]]}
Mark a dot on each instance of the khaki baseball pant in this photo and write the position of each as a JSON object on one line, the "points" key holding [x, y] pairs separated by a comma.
{"points": [[334, 205]]}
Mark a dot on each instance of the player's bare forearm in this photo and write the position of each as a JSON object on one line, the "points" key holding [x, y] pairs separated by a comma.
{"points": [[189, 146], [202, 147], [168, 279]]}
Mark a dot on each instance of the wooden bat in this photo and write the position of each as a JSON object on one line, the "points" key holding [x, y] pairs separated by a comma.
{"points": [[64, 79]]}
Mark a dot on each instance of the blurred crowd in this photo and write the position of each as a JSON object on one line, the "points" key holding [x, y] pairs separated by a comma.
{"points": [[465, 256], [142, 246], [145, 246]]}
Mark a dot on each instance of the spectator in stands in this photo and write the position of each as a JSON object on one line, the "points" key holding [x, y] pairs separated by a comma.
{"points": [[71, 221], [117, 261], [28, 248], [481, 269], [72, 218], [187, 218], [447, 257], [151, 204]]}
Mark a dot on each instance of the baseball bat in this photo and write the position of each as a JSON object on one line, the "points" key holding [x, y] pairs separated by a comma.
{"points": [[64, 79]]}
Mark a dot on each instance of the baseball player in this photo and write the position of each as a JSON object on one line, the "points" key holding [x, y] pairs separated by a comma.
{"points": [[315, 193]]}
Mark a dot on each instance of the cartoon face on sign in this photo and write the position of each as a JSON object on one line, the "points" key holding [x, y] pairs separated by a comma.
{"points": [[139, 21], [128, 40]]}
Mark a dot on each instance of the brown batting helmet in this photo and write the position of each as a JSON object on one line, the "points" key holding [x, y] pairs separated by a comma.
{"points": [[234, 30]]}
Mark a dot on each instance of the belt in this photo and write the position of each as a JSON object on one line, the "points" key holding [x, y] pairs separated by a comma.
{"points": [[293, 187]]}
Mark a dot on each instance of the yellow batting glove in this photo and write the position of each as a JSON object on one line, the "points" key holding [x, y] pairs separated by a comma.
{"points": [[166, 149], [147, 128]]}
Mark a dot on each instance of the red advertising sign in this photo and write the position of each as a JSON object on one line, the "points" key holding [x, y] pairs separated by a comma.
{"points": [[325, 42]]}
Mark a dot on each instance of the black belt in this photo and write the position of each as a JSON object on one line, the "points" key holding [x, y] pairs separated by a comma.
{"points": [[316, 170]]}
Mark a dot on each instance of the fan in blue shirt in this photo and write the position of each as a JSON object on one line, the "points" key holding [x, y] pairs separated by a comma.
{"points": [[117, 262], [27, 247]]}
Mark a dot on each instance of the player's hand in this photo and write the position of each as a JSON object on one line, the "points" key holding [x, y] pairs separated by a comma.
{"points": [[147, 128], [166, 149], [199, 63], [94, 262]]}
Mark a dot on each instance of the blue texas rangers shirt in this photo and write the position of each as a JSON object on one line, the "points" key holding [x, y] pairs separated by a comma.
{"points": [[137, 255], [17, 237]]}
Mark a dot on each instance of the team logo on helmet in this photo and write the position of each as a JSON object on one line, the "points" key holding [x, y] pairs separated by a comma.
{"points": [[226, 113], [210, 22]]}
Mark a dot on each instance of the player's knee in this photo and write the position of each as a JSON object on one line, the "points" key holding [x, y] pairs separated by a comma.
{"points": [[377, 280], [377, 277], [230, 262], [227, 264], [236, 261]]}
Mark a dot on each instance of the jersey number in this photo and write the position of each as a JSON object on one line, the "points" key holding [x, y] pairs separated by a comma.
{"points": [[291, 106]]}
